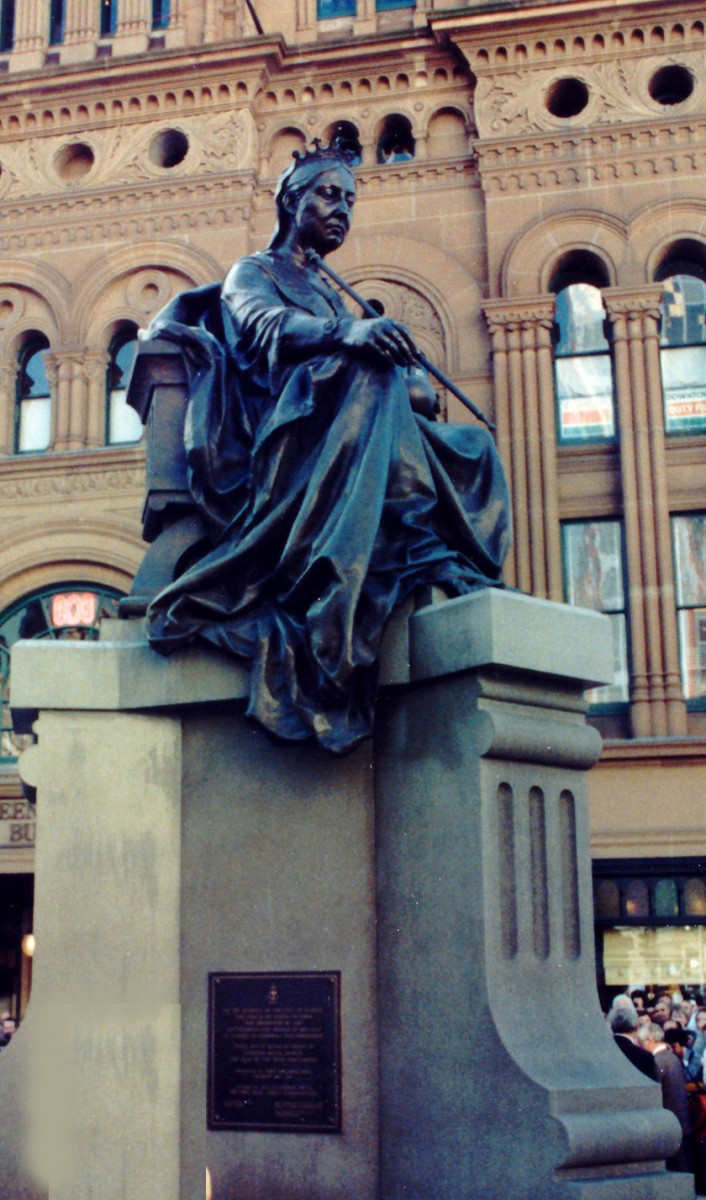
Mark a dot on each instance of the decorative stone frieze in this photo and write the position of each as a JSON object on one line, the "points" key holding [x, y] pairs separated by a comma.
{"points": [[121, 214], [584, 157], [220, 142], [513, 104]]}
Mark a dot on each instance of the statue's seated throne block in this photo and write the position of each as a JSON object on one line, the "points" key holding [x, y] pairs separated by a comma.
{"points": [[158, 391]]}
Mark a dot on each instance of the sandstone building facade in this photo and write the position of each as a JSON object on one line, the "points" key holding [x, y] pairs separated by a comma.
{"points": [[531, 202]]}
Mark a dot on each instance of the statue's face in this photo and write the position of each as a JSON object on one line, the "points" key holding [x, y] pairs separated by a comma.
{"points": [[322, 214]]}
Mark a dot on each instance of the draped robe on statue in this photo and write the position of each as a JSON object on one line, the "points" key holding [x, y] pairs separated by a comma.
{"points": [[327, 501]]}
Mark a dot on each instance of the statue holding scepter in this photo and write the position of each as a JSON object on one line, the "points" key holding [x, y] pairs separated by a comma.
{"points": [[328, 490]]}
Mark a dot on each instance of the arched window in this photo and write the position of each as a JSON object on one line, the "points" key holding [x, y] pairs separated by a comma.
{"points": [[69, 610], [447, 137], [344, 136], [396, 142], [683, 353], [123, 425], [57, 17], [583, 374], [33, 405], [160, 14], [109, 17], [7, 25], [285, 142]]}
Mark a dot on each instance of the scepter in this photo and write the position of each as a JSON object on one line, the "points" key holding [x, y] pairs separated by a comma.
{"points": [[317, 261]]}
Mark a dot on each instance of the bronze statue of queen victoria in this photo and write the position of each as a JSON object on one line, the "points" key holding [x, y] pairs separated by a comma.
{"points": [[328, 490]]}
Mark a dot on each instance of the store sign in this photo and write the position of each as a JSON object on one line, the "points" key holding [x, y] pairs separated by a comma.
{"points": [[17, 825]]}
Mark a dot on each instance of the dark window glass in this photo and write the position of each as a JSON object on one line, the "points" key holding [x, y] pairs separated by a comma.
{"points": [[7, 24], [396, 143], [56, 22], [335, 8], [637, 899], [160, 14], [695, 898], [689, 542], [109, 16], [683, 354], [123, 425], [607, 899], [594, 578], [381, 5], [582, 366], [33, 407], [666, 899]]}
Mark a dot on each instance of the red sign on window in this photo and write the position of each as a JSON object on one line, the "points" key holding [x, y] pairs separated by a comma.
{"points": [[74, 608]]}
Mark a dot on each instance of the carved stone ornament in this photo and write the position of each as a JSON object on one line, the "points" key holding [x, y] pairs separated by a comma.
{"points": [[515, 103], [221, 142]]}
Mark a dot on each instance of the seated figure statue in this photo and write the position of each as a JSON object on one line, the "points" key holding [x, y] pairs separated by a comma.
{"points": [[327, 498]]}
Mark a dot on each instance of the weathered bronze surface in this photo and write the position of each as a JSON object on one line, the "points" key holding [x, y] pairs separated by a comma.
{"points": [[275, 1052], [328, 492]]}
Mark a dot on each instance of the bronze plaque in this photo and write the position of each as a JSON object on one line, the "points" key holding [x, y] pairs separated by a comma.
{"points": [[275, 1052]]}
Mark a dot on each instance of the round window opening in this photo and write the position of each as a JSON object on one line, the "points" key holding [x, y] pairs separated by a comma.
{"points": [[567, 97], [74, 161], [169, 148], [671, 85]]}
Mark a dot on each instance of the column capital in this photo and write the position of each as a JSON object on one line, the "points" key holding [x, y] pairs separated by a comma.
{"points": [[631, 302], [534, 310]]}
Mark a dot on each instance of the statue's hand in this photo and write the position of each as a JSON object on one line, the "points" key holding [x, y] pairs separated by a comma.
{"points": [[422, 396], [383, 340]]}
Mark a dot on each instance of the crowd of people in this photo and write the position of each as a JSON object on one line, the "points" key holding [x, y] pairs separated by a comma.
{"points": [[664, 1036]]}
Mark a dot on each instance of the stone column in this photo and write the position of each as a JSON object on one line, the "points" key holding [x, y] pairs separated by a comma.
{"points": [[95, 366], [526, 421], [81, 31], [657, 700], [65, 370], [132, 33], [306, 19], [175, 34], [498, 1075], [8, 405], [31, 35]]}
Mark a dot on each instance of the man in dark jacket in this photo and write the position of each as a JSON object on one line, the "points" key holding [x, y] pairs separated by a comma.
{"points": [[623, 1021]]}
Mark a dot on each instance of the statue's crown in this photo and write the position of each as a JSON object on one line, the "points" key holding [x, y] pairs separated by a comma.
{"points": [[338, 150]]}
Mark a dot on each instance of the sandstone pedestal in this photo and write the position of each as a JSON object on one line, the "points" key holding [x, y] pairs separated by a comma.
{"points": [[443, 870]]}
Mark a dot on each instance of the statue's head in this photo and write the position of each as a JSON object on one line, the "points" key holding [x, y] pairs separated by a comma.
{"points": [[301, 176]]}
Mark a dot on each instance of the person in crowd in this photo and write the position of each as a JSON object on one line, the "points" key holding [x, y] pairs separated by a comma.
{"points": [[623, 1019], [662, 1009], [639, 999], [670, 1074], [8, 1028]]}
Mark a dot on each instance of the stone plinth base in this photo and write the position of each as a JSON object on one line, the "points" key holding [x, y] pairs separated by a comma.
{"points": [[442, 870]]}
